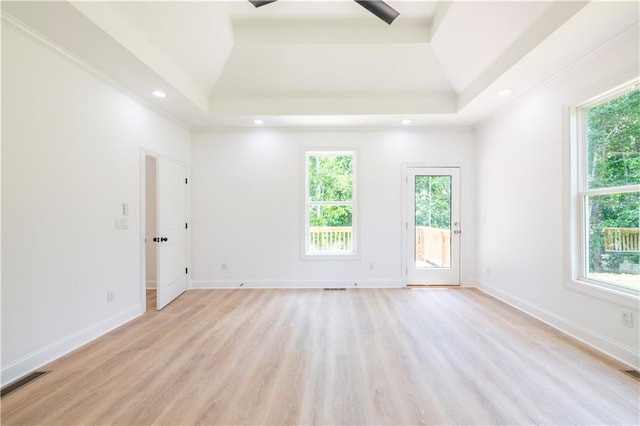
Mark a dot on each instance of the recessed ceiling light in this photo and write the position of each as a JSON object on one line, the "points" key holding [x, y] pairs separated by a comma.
{"points": [[159, 94], [406, 121], [505, 92], [258, 122]]}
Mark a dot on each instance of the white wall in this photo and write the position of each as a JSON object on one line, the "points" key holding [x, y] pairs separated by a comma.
{"points": [[522, 176], [71, 156], [247, 196], [150, 221]]}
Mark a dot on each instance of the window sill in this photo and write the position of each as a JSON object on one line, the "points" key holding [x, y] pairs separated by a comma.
{"points": [[329, 256], [629, 298]]}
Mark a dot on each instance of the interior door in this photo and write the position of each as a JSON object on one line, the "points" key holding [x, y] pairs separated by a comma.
{"points": [[433, 226], [171, 238]]}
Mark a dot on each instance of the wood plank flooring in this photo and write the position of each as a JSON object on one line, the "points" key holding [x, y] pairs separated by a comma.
{"points": [[366, 356], [151, 299]]}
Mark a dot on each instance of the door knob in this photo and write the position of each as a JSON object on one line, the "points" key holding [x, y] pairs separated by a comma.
{"points": [[164, 239]]}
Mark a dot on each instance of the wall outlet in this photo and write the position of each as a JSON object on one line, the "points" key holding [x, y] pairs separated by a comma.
{"points": [[627, 319], [110, 296]]}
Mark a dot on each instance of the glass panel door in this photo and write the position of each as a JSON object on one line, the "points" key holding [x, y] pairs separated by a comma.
{"points": [[433, 226], [432, 247]]}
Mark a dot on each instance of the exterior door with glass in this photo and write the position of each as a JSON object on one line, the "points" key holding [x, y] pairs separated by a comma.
{"points": [[432, 226]]}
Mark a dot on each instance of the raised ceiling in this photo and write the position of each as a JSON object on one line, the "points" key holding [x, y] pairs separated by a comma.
{"points": [[224, 63]]}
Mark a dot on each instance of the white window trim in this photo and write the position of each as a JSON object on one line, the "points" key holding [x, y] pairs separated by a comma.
{"points": [[575, 246], [355, 254]]}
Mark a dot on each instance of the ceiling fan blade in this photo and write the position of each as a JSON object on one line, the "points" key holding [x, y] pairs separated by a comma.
{"points": [[258, 3], [380, 9]]}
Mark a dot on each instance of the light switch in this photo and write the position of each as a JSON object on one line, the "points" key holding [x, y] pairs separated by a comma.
{"points": [[122, 223]]}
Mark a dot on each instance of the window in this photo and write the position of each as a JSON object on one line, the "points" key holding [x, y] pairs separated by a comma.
{"points": [[608, 190], [330, 208]]}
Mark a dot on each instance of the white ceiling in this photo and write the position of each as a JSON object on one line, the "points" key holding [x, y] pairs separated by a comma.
{"points": [[314, 63]]}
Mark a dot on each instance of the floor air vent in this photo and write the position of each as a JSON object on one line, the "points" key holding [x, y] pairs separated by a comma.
{"points": [[20, 383], [335, 289], [633, 373]]}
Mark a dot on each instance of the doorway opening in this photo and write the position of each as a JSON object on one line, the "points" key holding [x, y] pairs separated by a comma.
{"points": [[164, 253], [151, 231]]}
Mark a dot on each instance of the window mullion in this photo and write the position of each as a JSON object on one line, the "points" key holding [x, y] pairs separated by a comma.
{"points": [[330, 203], [627, 189]]}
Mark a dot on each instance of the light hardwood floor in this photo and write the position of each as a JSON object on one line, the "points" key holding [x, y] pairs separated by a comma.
{"points": [[392, 356]]}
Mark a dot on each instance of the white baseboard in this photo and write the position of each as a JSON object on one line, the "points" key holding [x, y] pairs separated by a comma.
{"points": [[53, 351], [471, 283], [604, 344], [293, 284]]}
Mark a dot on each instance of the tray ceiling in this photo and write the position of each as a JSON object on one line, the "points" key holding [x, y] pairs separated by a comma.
{"points": [[222, 63]]}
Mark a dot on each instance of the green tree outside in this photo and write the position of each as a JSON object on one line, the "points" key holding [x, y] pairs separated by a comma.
{"points": [[330, 179], [613, 159], [433, 201]]}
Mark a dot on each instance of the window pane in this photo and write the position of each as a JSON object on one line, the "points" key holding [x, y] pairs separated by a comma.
{"points": [[613, 235], [433, 222], [330, 215], [330, 229], [613, 139], [433, 201], [330, 177]]}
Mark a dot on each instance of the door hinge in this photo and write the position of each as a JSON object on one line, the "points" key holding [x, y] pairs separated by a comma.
{"points": [[186, 180], [186, 226], [186, 270], [406, 271]]}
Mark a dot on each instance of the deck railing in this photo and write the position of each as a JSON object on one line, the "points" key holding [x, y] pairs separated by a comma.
{"points": [[330, 238], [621, 240], [433, 246]]}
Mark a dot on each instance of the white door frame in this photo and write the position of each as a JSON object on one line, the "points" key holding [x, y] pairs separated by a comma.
{"points": [[143, 221], [407, 254]]}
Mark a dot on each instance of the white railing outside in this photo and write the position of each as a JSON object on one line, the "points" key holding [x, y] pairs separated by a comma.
{"points": [[330, 239], [433, 246]]}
